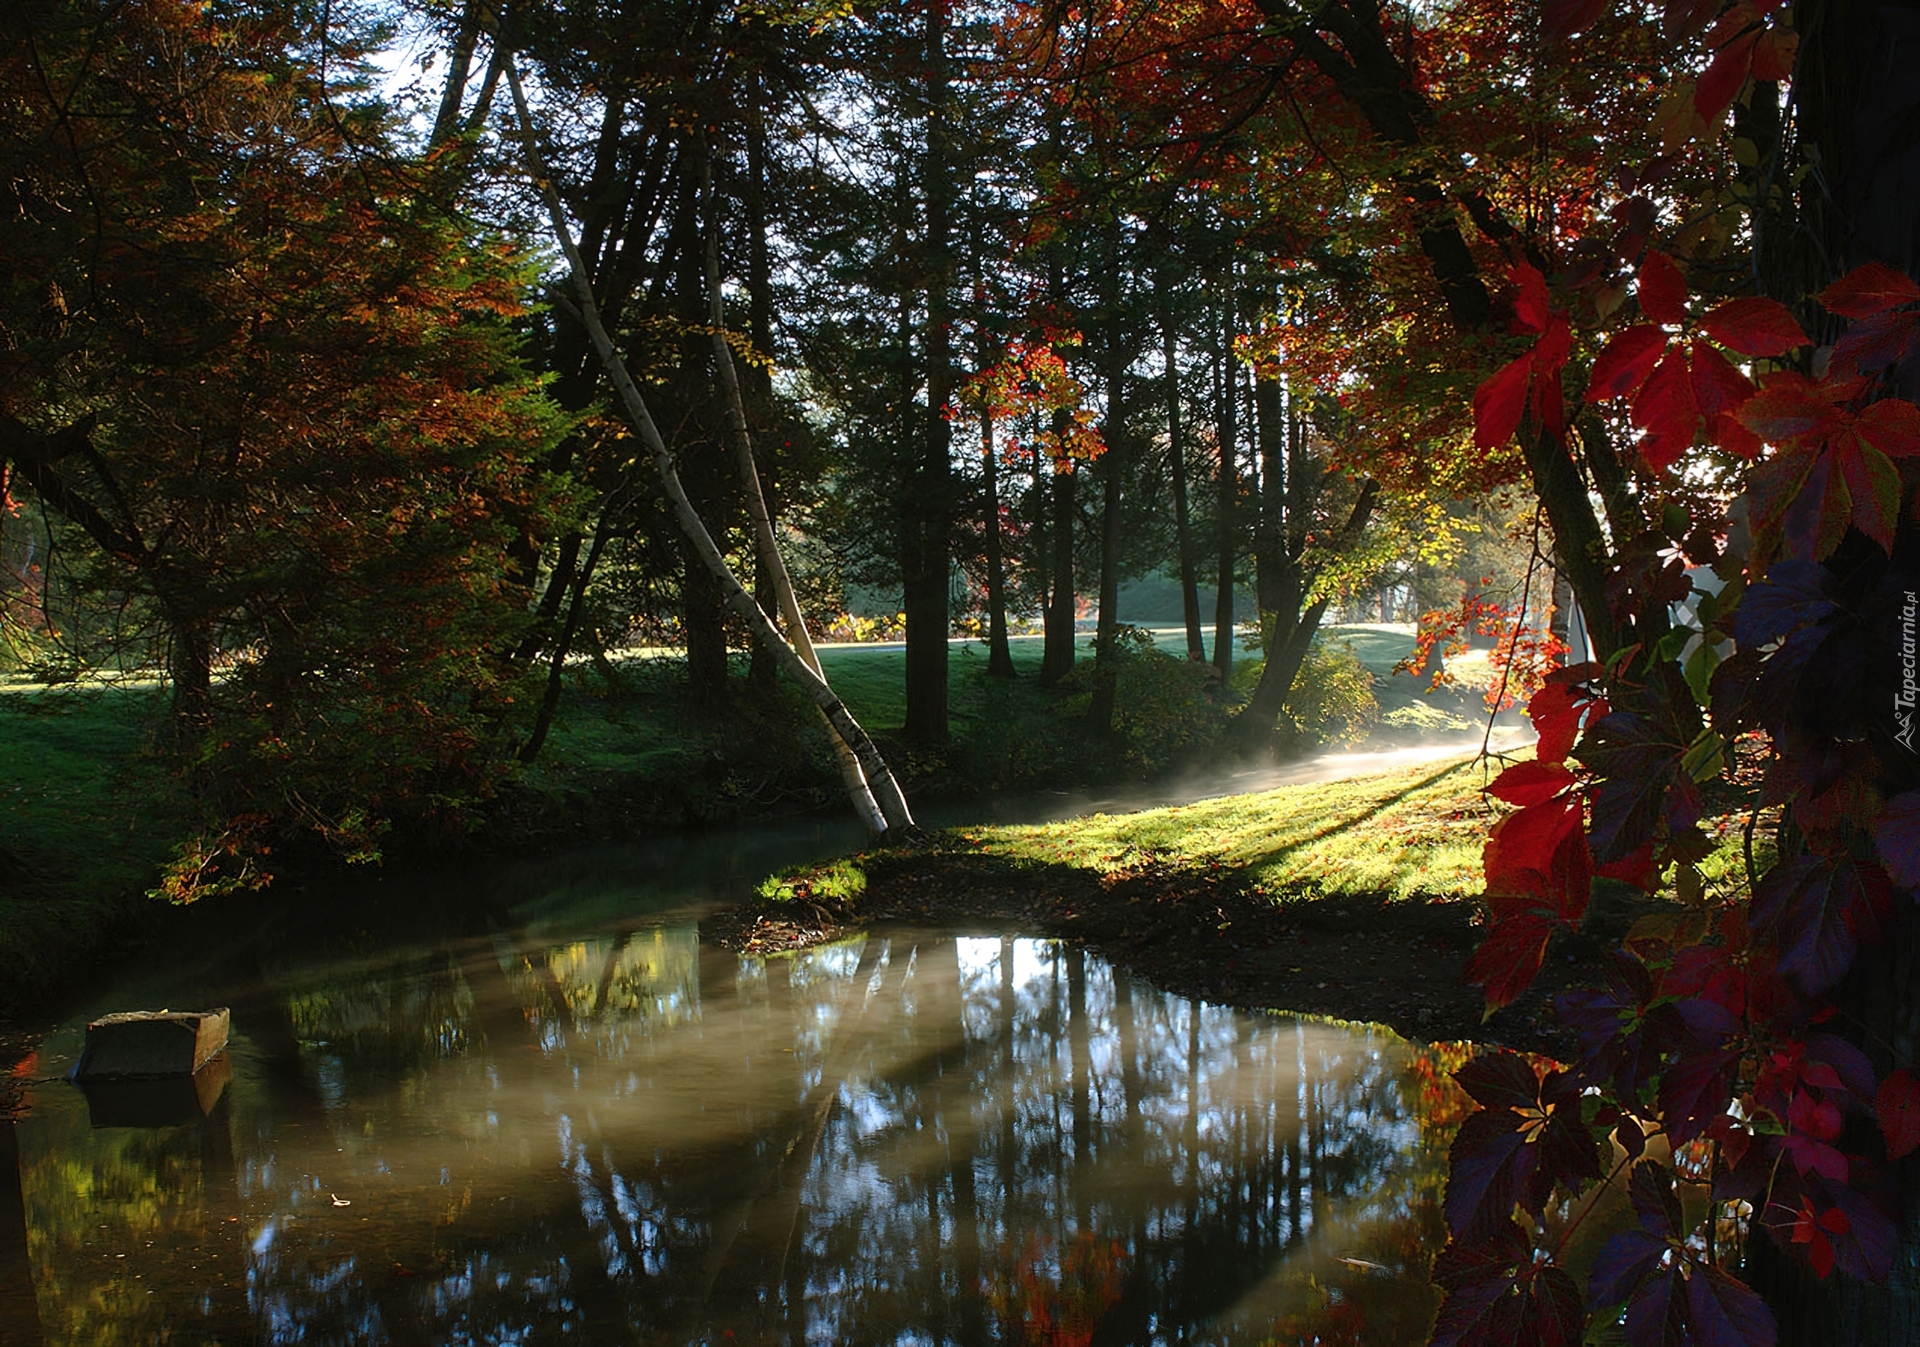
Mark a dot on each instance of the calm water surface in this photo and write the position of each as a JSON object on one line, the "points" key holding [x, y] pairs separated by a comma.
{"points": [[529, 1105]]}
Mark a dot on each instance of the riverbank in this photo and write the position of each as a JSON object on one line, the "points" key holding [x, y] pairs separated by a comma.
{"points": [[1349, 899], [91, 809]]}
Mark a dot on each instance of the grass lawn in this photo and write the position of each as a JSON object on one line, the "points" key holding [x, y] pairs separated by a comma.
{"points": [[1415, 832], [87, 816]]}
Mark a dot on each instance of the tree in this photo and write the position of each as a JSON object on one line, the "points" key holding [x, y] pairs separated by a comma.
{"points": [[271, 384]]}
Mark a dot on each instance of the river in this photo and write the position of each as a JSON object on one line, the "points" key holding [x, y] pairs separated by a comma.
{"points": [[522, 1102]]}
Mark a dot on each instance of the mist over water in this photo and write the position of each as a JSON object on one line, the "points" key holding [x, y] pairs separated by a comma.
{"points": [[1240, 778]]}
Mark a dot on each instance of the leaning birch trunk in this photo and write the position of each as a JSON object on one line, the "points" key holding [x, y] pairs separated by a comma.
{"points": [[737, 596], [892, 804]]}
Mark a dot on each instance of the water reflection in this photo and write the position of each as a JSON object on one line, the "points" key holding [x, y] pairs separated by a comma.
{"points": [[637, 1138]]}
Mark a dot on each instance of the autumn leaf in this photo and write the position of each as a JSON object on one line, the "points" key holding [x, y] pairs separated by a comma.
{"points": [[1662, 289], [1754, 326], [1724, 75], [1499, 402], [1527, 783], [1868, 291], [1898, 1108], [1625, 362]]}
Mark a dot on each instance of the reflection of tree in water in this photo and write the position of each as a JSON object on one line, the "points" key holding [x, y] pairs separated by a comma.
{"points": [[644, 1140]]}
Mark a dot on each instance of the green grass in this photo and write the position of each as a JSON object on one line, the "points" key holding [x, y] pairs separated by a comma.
{"points": [[1413, 832], [87, 815]]}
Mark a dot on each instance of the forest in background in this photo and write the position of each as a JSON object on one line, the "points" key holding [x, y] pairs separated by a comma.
{"points": [[303, 418]]}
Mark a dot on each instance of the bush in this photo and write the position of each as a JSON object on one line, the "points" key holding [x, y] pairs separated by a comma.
{"points": [[1163, 707], [1331, 704]]}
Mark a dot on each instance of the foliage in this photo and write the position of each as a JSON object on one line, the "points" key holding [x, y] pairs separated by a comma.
{"points": [[279, 405], [1748, 1023], [1331, 701], [1165, 708]]}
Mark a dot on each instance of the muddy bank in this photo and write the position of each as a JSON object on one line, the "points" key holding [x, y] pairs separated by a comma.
{"points": [[1199, 933]]}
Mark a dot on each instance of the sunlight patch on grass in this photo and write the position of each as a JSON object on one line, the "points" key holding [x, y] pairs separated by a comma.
{"points": [[1416, 832]]}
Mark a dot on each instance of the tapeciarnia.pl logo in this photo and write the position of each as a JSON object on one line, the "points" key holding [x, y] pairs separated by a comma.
{"points": [[1904, 699]]}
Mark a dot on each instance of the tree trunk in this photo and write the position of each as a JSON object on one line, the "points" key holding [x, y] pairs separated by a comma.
{"points": [[704, 629], [999, 654], [1106, 654], [925, 579], [1856, 101], [556, 670], [1177, 451], [871, 762], [770, 567], [1113, 466], [189, 666], [1271, 589], [1227, 491], [1057, 661]]}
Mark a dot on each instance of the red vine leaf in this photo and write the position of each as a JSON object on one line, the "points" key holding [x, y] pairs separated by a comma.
{"points": [[1868, 291], [1754, 326], [1663, 291], [1499, 402], [1724, 76], [1897, 1106], [1527, 783], [1625, 362]]}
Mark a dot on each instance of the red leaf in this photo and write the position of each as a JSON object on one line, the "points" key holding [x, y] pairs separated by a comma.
{"points": [[1717, 386], [1519, 852], [1564, 18], [1508, 958], [1898, 1107], [1556, 711], [1892, 426], [1869, 290], [1664, 406], [1773, 54], [1683, 17], [1498, 403], [1726, 431], [1790, 411], [1723, 78], [1527, 783], [1874, 484], [1531, 307], [1663, 291], [1666, 445], [1754, 326], [1636, 868], [1626, 361], [1871, 344], [1665, 401]]}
